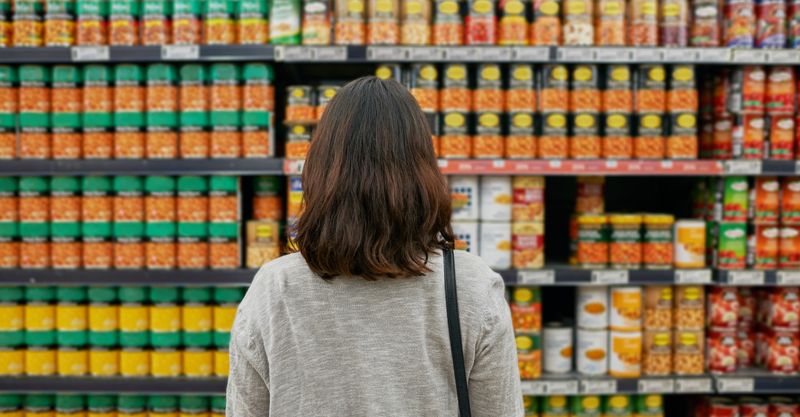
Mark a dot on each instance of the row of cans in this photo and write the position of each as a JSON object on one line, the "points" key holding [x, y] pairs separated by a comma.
{"points": [[649, 405]]}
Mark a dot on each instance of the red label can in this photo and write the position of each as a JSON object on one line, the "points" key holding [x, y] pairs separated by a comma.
{"points": [[781, 137], [782, 352], [723, 307], [745, 348], [784, 308], [752, 407], [780, 91], [722, 351]]}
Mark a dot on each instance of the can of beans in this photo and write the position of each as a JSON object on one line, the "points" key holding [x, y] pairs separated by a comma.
{"points": [[495, 198], [789, 247], [466, 235], [783, 407], [526, 309], [689, 312], [592, 250], [528, 198], [790, 201], [765, 250], [747, 307], [722, 407], [723, 307], [527, 245], [625, 243], [591, 357], [690, 243], [586, 406], [658, 307], [657, 352], [783, 309], [657, 249], [529, 355], [625, 353], [688, 352], [530, 405], [781, 136], [495, 244], [626, 308], [557, 349], [650, 405], [592, 307]]}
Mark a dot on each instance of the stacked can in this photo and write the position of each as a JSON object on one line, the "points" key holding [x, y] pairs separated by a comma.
{"points": [[165, 332], [224, 222], [8, 107], [263, 231], [553, 105], [129, 227], [258, 103], [521, 108], [98, 119], [91, 26], [526, 315], [649, 107], [134, 332], [65, 226], [198, 318], [66, 97], [12, 331], [219, 28], [155, 22], [161, 117], [186, 26], [225, 110], [682, 107], [721, 342], [226, 302], [591, 335], [160, 222], [9, 223], [34, 223], [123, 27], [780, 109], [193, 117], [40, 331], [495, 243], [423, 84], [34, 112], [97, 217], [489, 104], [129, 120], [466, 199], [71, 331], [5, 24], [688, 353], [103, 325], [625, 338], [658, 328], [192, 217], [455, 105], [776, 336], [584, 107], [527, 227], [27, 23], [300, 111], [617, 105]]}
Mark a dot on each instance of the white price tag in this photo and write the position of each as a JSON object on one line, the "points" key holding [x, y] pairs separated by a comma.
{"points": [[531, 54], [689, 385], [667, 164], [610, 276], [680, 55], [709, 55], [693, 276], [643, 55], [294, 53], [749, 56], [612, 163], [788, 278], [735, 385], [542, 277], [555, 163], [743, 167], [424, 53], [561, 387], [179, 52], [90, 53], [494, 54], [783, 56], [600, 386], [499, 163], [746, 277], [331, 53], [613, 54], [573, 54], [533, 387], [387, 53], [442, 163], [797, 167], [295, 167], [460, 53], [655, 386]]}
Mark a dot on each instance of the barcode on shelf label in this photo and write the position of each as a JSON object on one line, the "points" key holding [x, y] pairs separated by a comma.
{"points": [[533, 387], [788, 278], [607, 277], [494, 53], [783, 57], [693, 276], [561, 387], [689, 385], [647, 55], [424, 53], [735, 384], [536, 277], [294, 53], [656, 386], [571, 54], [330, 53], [531, 54], [600, 386], [743, 167], [460, 53], [746, 277], [387, 53], [680, 55], [749, 56], [713, 55], [176, 52], [90, 53], [613, 55]]}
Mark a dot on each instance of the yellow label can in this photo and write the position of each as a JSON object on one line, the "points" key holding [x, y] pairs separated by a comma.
{"points": [[11, 413], [40, 317], [72, 362], [70, 317], [12, 317], [198, 362], [101, 414], [81, 413], [221, 362], [134, 362], [40, 361], [223, 317], [197, 318], [103, 317], [12, 361], [104, 362], [165, 363], [165, 318], [134, 318], [37, 412]]}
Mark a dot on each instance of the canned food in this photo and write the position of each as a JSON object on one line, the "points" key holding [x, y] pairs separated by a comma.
{"points": [[464, 196], [592, 307], [783, 308], [745, 348], [651, 405], [557, 348], [495, 193], [618, 406], [625, 354], [722, 351], [625, 245], [526, 309], [657, 249], [626, 308], [731, 245], [722, 407], [555, 406], [530, 405], [766, 251], [586, 406], [723, 307], [689, 307], [658, 307], [789, 247], [690, 244], [752, 407], [592, 251], [466, 236], [688, 353], [782, 407], [657, 352], [495, 244], [527, 243], [529, 355], [591, 355], [528, 198]]}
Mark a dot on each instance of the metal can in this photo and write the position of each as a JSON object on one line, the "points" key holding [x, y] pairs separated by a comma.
{"points": [[592, 250], [591, 357], [721, 351], [783, 308], [495, 244], [658, 307], [752, 407], [528, 199], [557, 349], [592, 307], [722, 407], [649, 405], [657, 250], [782, 348], [618, 406], [625, 241], [495, 198], [526, 309], [626, 308], [657, 352], [765, 206], [625, 353], [690, 244], [527, 245], [555, 406], [586, 406], [466, 236], [723, 307], [529, 355], [464, 192]]}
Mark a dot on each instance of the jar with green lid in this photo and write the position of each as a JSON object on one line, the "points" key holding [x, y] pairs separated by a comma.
{"points": [[9, 223], [129, 96], [34, 201], [70, 405], [197, 314], [267, 202], [219, 27], [98, 99], [101, 405], [11, 405], [592, 249], [132, 406], [192, 213], [34, 226], [165, 331], [224, 251], [39, 405], [162, 406], [162, 96], [134, 331], [72, 357], [160, 218], [186, 26], [155, 15], [657, 241], [97, 220], [217, 406], [194, 405], [625, 241], [257, 95], [91, 28]]}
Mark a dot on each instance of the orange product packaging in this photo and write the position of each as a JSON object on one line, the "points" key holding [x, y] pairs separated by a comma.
{"points": [[455, 142], [415, 22], [383, 26], [193, 143], [722, 138], [585, 94], [748, 135], [527, 245], [617, 141], [585, 142], [161, 143], [553, 143], [521, 93], [59, 25], [781, 137], [618, 94], [643, 26], [98, 144], [521, 140], [592, 238], [256, 143], [748, 90], [66, 144], [578, 22], [219, 26], [610, 27], [123, 29], [129, 143], [767, 246], [650, 141], [423, 85], [546, 24], [682, 140], [767, 200], [527, 199], [35, 144], [488, 141], [350, 25], [91, 27], [489, 94], [554, 95], [298, 141], [448, 28], [590, 195], [225, 143], [299, 104], [455, 93], [780, 94], [526, 309], [682, 93], [513, 24], [650, 89], [27, 29], [8, 145], [790, 201]]}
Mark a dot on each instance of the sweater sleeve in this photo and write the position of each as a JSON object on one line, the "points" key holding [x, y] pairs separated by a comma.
{"points": [[494, 385], [248, 382]]}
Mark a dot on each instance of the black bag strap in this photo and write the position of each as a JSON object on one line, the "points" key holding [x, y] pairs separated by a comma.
{"points": [[454, 328]]}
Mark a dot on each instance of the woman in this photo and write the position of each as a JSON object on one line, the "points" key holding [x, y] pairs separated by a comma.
{"points": [[354, 325]]}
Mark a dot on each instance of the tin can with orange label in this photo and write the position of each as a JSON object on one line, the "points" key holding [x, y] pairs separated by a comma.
{"points": [[790, 201], [625, 353], [789, 247], [529, 355], [557, 348], [591, 355], [766, 204], [690, 244], [781, 136], [722, 351], [526, 309], [723, 307], [657, 352], [626, 308], [592, 307]]}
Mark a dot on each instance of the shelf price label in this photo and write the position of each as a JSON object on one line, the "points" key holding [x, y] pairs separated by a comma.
{"points": [[613, 54], [572, 54], [692, 385], [693, 276], [788, 277], [538, 277], [90, 53], [533, 387], [331, 53], [743, 167], [425, 53], [746, 277], [294, 53], [494, 54], [180, 52], [531, 54], [294, 167], [610, 276], [735, 385], [716, 55], [680, 55], [460, 53], [656, 386], [745, 56], [783, 56], [648, 55], [566, 387], [387, 53], [598, 386]]}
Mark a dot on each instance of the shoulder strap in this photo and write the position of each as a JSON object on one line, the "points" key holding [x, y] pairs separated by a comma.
{"points": [[454, 328]]}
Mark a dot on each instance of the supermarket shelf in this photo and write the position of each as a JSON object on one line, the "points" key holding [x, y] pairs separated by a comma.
{"points": [[571, 384], [137, 54], [756, 381], [125, 277], [758, 277], [564, 275], [113, 385], [261, 166]]}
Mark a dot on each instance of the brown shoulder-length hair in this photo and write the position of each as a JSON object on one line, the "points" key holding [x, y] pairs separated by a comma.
{"points": [[375, 203]]}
